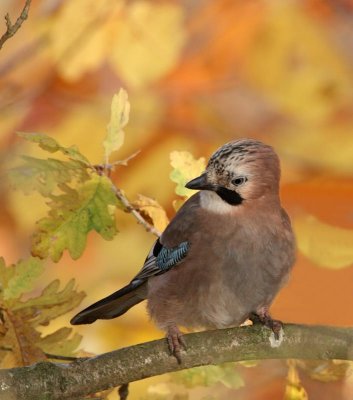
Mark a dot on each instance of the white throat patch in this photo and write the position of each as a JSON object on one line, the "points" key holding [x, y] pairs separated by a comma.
{"points": [[212, 202]]}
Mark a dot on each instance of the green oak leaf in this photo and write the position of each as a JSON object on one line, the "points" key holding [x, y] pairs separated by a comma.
{"points": [[22, 314], [50, 304], [23, 277], [61, 342], [49, 144], [73, 215], [6, 274], [43, 176], [209, 376]]}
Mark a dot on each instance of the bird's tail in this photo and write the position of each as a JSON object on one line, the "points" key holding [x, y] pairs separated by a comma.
{"points": [[113, 305]]}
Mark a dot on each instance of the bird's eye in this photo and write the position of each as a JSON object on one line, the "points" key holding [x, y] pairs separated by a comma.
{"points": [[239, 181]]}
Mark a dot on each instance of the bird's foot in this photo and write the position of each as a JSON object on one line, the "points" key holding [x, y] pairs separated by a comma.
{"points": [[175, 342], [263, 316]]}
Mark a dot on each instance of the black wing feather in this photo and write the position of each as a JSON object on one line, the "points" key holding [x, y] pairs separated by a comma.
{"points": [[160, 260]]}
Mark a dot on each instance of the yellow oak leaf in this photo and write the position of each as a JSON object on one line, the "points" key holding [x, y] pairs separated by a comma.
{"points": [[153, 210], [20, 339], [186, 167], [21, 343], [326, 245], [294, 388], [119, 117], [79, 36], [325, 370], [328, 148], [147, 41], [296, 67]]}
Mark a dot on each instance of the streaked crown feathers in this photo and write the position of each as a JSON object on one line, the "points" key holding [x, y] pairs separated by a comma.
{"points": [[255, 160]]}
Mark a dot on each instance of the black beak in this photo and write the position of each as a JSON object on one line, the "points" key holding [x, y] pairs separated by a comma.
{"points": [[199, 183]]}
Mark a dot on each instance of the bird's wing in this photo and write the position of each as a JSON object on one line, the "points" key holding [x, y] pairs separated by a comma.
{"points": [[167, 252], [174, 244], [161, 259]]}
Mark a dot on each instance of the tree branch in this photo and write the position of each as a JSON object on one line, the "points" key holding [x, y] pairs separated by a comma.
{"points": [[105, 169], [130, 208], [46, 380], [12, 29]]}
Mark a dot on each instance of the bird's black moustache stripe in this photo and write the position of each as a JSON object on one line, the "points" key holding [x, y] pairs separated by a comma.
{"points": [[229, 196]]}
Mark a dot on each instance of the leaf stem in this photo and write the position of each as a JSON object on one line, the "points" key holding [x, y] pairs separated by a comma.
{"points": [[126, 160], [106, 169]]}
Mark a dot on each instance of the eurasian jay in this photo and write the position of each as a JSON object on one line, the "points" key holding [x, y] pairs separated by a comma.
{"points": [[224, 256]]}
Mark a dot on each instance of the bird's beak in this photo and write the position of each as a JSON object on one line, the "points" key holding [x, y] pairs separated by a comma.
{"points": [[199, 183]]}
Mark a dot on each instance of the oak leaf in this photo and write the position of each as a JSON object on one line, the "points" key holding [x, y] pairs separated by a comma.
{"points": [[326, 245], [148, 41], [72, 215], [21, 314], [186, 167], [43, 176], [295, 67], [294, 388], [119, 117], [22, 277], [153, 211], [49, 144]]}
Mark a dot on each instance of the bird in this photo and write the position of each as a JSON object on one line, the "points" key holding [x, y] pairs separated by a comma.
{"points": [[224, 256]]}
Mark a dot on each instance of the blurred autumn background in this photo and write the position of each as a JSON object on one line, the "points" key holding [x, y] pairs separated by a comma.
{"points": [[199, 73]]}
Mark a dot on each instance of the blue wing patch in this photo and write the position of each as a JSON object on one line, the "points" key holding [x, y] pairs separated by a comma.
{"points": [[167, 258], [161, 259]]}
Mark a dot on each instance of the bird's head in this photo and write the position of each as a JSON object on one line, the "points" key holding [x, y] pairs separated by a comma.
{"points": [[241, 170]]}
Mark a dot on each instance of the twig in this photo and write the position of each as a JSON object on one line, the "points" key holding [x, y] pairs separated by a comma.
{"points": [[12, 29], [126, 160], [129, 208], [68, 381], [123, 391], [105, 169]]}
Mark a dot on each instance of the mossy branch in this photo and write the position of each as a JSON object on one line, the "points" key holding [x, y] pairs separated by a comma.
{"points": [[52, 381]]}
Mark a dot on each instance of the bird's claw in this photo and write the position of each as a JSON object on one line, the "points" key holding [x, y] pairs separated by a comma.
{"points": [[276, 326], [264, 317], [176, 342], [254, 318]]}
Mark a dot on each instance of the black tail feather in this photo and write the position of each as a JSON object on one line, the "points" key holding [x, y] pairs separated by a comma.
{"points": [[113, 305]]}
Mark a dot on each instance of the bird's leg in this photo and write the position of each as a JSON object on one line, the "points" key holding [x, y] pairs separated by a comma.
{"points": [[263, 316], [254, 318], [175, 342]]}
